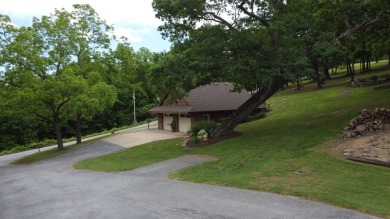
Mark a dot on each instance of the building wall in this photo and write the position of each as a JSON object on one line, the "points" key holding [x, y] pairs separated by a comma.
{"points": [[166, 121], [184, 123], [213, 116], [217, 116], [175, 120], [160, 121]]}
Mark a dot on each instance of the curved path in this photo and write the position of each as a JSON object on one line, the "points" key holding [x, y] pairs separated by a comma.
{"points": [[52, 189]]}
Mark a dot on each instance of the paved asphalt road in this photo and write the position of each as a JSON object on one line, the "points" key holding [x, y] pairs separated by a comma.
{"points": [[52, 189]]}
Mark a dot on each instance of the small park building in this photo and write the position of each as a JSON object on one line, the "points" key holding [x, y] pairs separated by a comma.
{"points": [[214, 102]]}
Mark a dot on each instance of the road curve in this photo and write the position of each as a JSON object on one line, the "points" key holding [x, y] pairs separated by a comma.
{"points": [[53, 189]]}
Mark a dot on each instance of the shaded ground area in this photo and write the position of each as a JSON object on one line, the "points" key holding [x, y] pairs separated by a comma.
{"points": [[52, 189]]}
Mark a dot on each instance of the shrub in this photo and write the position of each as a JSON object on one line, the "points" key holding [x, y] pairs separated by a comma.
{"points": [[370, 81], [221, 120], [195, 140], [206, 125], [33, 145], [256, 116], [13, 150]]}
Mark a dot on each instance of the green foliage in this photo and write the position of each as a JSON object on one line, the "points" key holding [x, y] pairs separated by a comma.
{"points": [[195, 140], [130, 72], [138, 156], [374, 80], [247, 49], [52, 72], [33, 145], [330, 52], [259, 45], [256, 116], [206, 125], [39, 63], [258, 40], [113, 130]]}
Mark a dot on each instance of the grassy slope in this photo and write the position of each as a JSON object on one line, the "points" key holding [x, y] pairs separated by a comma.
{"points": [[285, 152]]}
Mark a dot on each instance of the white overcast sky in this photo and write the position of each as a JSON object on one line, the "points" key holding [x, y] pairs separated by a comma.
{"points": [[133, 19]]}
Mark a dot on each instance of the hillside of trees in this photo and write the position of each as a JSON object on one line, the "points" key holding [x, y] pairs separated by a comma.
{"points": [[67, 75]]}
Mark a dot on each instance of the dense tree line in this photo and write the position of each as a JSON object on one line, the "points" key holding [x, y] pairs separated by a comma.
{"points": [[63, 77], [263, 44]]}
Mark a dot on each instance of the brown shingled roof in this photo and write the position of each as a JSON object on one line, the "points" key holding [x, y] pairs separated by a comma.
{"points": [[216, 97], [212, 97], [170, 109]]}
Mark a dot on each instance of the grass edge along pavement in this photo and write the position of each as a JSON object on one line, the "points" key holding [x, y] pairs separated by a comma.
{"points": [[50, 142], [43, 155], [285, 152], [139, 156]]}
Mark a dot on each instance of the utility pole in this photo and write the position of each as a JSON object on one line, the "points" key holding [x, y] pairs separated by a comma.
{"points": [[135, 117]]}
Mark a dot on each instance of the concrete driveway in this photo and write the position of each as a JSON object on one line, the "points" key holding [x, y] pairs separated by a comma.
{"points": [[134, 138], [52, 189]]}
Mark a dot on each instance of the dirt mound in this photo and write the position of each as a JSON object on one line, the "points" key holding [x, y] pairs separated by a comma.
{"points": [[368, 122]]}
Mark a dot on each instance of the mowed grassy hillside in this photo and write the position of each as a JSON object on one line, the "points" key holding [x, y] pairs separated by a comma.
{"points": [[286, 152]]}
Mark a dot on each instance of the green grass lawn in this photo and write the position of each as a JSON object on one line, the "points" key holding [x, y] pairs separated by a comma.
{"points": [[136, 156], [286, 152]]}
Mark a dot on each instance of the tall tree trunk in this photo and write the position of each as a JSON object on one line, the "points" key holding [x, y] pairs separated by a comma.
{"points": [[364, 65], [56, 124], [318, 79], [314, 63], [368, 64], [326, 72], [227, 126], [78, 128], [351, 71], [298, 83], [57, 131]]}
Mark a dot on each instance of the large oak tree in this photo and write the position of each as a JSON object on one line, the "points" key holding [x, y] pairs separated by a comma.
{"points": [[258, 45], [46, 65]]}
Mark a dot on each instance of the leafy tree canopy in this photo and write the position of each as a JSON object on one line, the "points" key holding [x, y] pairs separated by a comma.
{"points": [[258, 45]]}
